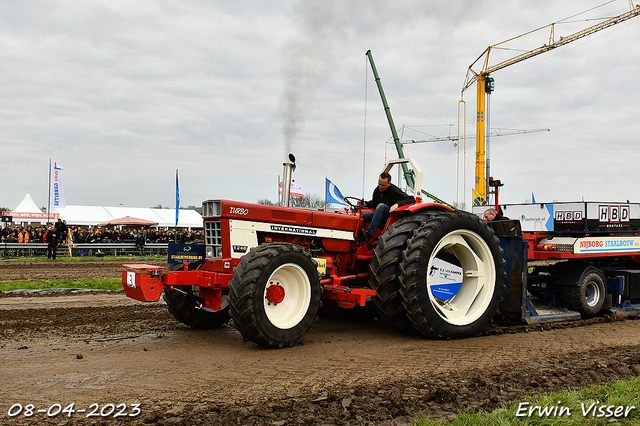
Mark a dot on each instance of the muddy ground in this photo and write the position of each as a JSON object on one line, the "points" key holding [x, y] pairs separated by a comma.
{"points": [[96, 349]]}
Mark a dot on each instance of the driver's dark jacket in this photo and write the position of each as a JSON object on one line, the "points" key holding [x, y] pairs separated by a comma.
{"points": [[390, 196]]}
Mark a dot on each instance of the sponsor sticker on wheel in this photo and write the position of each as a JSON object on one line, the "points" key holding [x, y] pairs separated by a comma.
{"points": [[445, 279]]}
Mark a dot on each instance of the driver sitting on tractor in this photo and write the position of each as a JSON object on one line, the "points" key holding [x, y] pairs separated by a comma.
{"points": [[386, 198]]}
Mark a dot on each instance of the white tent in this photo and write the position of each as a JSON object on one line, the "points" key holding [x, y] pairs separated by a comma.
{"points": [[83, 215], [93, 215], [27, 205], [28, 212], [185, 218]]}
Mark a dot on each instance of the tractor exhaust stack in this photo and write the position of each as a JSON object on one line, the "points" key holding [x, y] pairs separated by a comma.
{"points": [[286, 180]]}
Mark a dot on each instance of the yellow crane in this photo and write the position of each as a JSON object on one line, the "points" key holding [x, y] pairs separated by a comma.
{"points": [[484, 84]]}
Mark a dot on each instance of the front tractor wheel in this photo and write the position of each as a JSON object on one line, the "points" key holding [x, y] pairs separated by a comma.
{"points": [[453, 276], [274, 295]]}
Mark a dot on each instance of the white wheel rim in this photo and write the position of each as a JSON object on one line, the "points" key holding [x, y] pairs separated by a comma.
{"points": [[478, 278], [297, 296], [593, 294]]}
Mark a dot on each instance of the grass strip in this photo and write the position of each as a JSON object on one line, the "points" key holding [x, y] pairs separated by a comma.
{"points": [[613, 403], [124, 259], [84, 283]]}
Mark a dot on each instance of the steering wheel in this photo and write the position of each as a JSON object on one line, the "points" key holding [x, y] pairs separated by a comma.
{"points": [[353, 202]]}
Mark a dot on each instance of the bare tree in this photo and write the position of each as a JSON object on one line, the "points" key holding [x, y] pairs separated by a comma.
{"points": [[309, 201]]}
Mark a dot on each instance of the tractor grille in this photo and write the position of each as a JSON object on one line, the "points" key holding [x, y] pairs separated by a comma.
{"points": [[213, 238], [211, 209]]}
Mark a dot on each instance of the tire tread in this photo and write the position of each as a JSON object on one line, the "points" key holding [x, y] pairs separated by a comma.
{"points": [[385, 269], [242, 292], [413, 269]]}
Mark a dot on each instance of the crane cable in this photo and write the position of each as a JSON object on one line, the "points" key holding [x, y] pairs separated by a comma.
{"points": [[588, 10]]}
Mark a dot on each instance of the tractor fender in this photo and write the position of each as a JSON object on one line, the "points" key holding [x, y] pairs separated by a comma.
{"points": [[408, 209], [424, 206]]}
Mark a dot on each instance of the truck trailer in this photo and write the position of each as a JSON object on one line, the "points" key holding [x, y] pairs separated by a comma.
{"points": [[582, 257]]}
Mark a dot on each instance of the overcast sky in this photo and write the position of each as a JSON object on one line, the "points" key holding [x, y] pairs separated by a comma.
{"points": [[123, 93]]}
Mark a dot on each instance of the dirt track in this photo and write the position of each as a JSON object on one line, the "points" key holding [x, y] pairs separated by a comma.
{"points": [[106, 349]]}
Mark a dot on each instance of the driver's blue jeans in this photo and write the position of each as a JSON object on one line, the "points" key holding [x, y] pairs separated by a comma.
{"points": [[375, 218]]}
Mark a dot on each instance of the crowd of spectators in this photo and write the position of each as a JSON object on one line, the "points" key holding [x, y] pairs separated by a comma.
{"points": [[106, 234]]}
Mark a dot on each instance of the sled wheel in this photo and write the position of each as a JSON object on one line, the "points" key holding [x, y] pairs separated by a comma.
{"points": [[385, 269], [185, 312], [274, 295], [453, 276], [586, 298]]}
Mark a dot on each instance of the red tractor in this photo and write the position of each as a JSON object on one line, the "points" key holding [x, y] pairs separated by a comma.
{"points": [[269, 268]]}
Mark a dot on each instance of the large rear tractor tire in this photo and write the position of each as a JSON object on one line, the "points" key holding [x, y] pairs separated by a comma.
{"points": [[452, 276], [385, 269], [274, 294], [586, 298], [184, 310]]}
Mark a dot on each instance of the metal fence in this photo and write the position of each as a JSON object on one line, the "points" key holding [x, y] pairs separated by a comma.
{"points": [[88, 249]]}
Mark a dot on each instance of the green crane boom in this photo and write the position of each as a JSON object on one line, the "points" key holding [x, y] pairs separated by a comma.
{"points": [[396, 140]]}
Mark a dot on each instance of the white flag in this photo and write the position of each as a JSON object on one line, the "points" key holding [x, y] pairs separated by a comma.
{"points": [[56, 190], [296, 190]]}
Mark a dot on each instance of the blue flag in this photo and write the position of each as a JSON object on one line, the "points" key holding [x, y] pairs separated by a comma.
{"points": [[177, 198], [533, 198], [333, 194]]}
